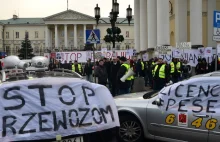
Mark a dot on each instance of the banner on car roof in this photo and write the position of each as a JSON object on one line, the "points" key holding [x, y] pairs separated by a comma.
{"points": [[47, 107]]}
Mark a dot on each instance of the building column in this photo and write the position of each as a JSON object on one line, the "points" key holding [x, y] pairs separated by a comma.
{"points": [[46, 37], [181, 21], [163, 23], [152, 23], [143, 25], [56, 37], [84, 30], [196, 22], [211, 8], [65, 36], [75, 36], [137, 25]]}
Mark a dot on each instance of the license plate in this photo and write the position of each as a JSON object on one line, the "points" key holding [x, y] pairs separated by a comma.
{"points": [[77, 139]]}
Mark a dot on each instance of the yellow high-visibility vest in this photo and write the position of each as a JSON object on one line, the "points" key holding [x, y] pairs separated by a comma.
{"points": [[152, 68], [79, 67], [142, 66], [161, 71], [172, 67], [127, 67]]}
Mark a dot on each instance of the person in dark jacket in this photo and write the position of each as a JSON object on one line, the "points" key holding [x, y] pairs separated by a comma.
{"points": [[0, 65], [113, 76], [101, 73], [124, 87], [88, 70], [107, 65], [65, 65], [70, 65]]}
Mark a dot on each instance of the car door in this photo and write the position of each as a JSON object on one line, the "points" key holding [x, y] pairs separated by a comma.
{"points": [[180, 125], [214, 128]]}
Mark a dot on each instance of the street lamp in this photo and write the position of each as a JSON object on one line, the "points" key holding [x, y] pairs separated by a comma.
{"points": [[113, 18]]}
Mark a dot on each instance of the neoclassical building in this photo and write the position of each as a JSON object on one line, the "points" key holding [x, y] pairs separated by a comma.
{"points": [[155, 22], [167, 22], [64, 31]]}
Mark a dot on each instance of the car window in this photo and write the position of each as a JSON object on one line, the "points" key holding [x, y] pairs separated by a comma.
{"points": [[150, 95], [215, 74]]}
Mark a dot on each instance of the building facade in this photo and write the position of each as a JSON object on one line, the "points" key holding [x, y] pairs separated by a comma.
{"points": [[167, 22], [63, 31], [157, 22]]}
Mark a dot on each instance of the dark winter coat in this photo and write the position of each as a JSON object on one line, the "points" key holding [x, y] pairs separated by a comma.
{"points": [[102, 75], [88, 68]]}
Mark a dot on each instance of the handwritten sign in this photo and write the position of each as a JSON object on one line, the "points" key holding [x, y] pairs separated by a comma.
{"points": [[163, 49], [184, 45], [47, 107]]}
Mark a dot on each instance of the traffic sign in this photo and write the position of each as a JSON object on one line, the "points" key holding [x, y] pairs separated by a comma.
{"points": [[216, 26], [92, 36]]}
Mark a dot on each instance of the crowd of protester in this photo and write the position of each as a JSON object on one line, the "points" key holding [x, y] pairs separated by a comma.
{"points": [[156, 72]]}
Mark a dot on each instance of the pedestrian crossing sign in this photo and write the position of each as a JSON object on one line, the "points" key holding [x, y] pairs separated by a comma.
{"points": [[92, 36]]}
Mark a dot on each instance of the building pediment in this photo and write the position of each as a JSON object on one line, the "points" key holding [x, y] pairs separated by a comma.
{"points": [[69, 15]]}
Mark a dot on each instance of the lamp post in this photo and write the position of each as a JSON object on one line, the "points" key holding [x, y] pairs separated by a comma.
{"points": [[113, 17]]}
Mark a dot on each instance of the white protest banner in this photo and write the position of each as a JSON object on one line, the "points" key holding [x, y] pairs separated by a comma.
{"points": [[184, 45], [208, 52], [104, 51], [218, 50], [47, 55], [189, 98], [130, 52], [80, 56], [177, 53], [201, 51], [145, 57], [89, 55], [191, 55], [46, 107], [164, 49]]}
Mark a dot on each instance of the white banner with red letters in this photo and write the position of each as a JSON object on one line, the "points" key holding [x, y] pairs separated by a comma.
{"points": [[81, 56]]}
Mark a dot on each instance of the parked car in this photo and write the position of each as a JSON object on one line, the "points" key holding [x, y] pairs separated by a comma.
{"points": [[184, 111]]}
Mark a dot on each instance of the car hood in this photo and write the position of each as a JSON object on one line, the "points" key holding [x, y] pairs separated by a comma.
{"points": [[131, 96]]}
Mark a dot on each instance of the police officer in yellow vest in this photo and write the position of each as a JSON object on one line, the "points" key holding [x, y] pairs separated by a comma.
{"points": [[175, 70], [124, 87], [76, 67], [160, 75]]}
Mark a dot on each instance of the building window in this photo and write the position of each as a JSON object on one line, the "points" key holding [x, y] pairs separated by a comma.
{"points": [[62, 34], [26, 34], [72, 34], [127, 33], [8, 50], [17, 48], [17, 34], [117, 47], [127, 47], [36, 34], [7, 35]]}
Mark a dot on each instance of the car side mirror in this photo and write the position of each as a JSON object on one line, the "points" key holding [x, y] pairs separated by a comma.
{"points": [[157, 102]]}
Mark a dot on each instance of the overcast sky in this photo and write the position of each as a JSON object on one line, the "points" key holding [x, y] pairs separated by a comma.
{"points": [[44, 8]]}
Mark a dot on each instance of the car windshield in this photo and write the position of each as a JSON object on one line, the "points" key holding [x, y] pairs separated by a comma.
{"points": [[150, 95], [40, 74]]}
